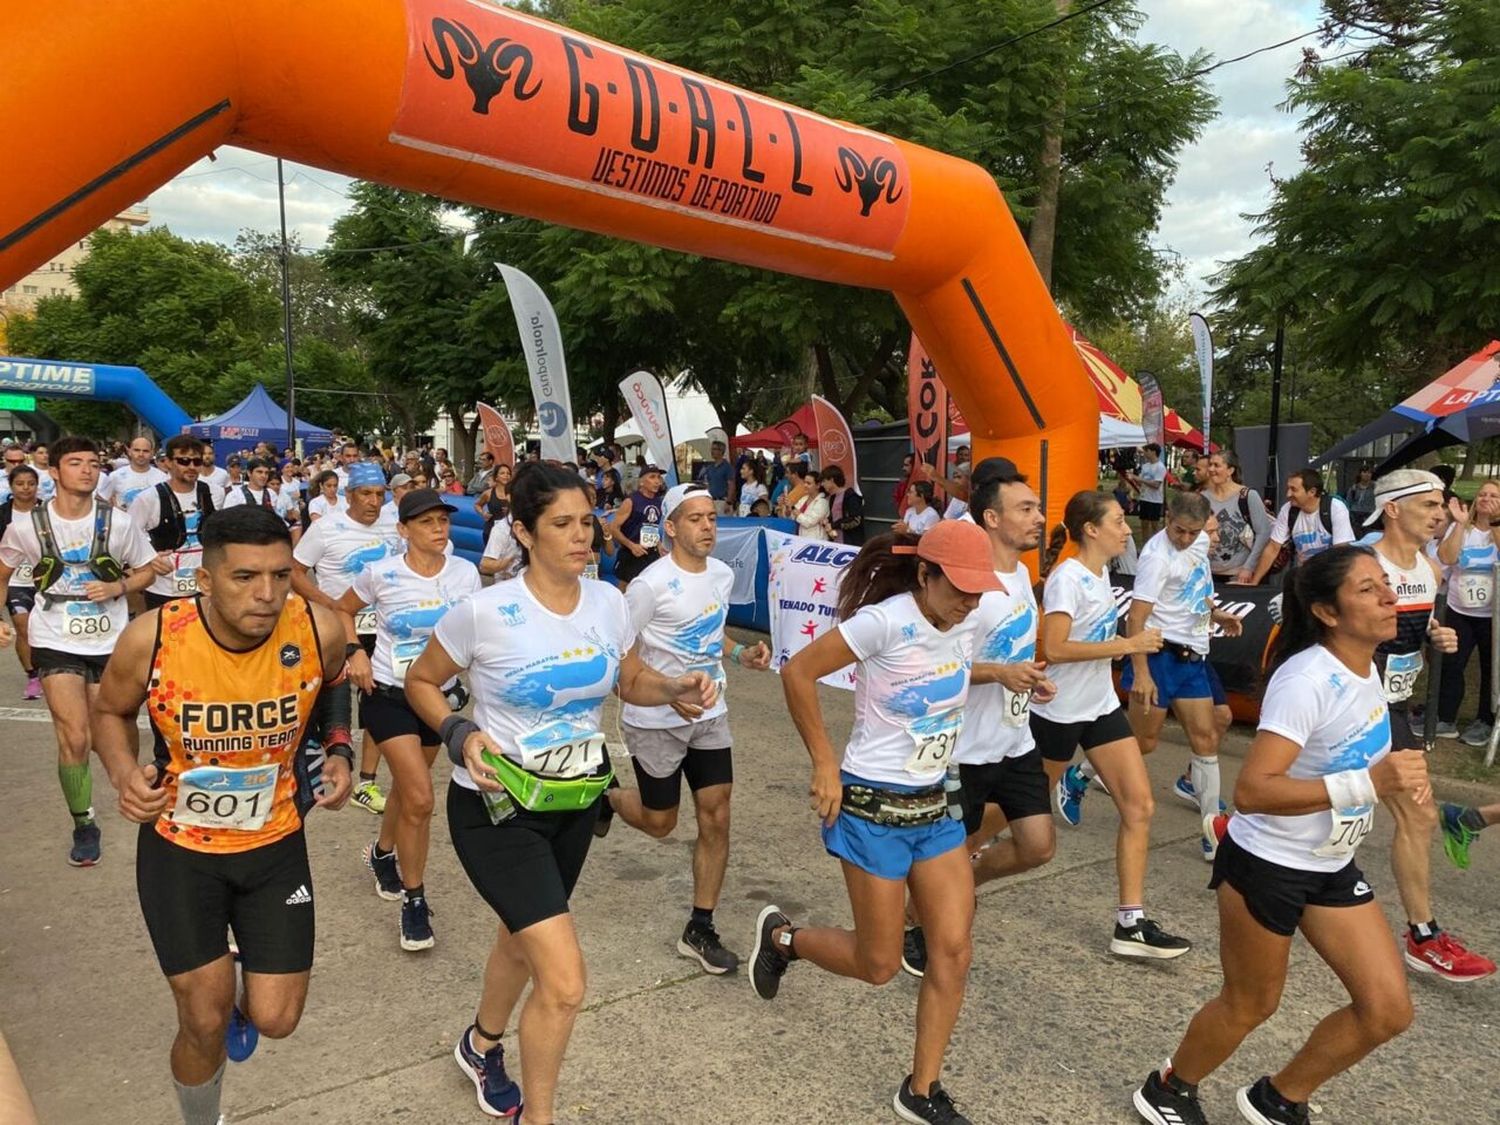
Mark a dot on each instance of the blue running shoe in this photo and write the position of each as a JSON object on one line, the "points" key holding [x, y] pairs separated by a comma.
{"points": [[1183, 787], [498, 1095], [1067, 796], [241, 1037]]}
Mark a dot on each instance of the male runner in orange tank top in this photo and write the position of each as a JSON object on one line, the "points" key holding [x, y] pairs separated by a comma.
{"points": [[232, 681]]}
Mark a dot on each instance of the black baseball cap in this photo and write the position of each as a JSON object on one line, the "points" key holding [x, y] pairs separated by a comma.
{"points": [[420, 500]]}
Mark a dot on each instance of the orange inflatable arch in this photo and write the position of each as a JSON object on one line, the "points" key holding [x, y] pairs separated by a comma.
{"points": [[474, 102]]}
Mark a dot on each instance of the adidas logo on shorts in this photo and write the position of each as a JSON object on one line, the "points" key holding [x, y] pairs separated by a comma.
{"points": [[299, 896]]}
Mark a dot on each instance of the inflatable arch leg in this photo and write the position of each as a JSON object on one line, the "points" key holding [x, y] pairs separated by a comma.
{"points": [[472, 101], [52, 378]]}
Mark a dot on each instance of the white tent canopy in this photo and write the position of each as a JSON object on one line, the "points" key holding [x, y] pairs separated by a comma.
{"points": [[691, 416], [1113, 434]]}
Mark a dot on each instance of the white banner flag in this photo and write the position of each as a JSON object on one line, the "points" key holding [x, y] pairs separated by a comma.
{"points": [[804, 592], [541, 343], [1203, 344], [739, 548], [648, 406]]}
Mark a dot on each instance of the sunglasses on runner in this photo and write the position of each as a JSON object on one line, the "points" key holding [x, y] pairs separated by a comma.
{"points": [[188, 460]]}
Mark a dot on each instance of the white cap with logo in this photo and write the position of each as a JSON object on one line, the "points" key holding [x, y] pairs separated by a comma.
{"points": [[1399, 484]]}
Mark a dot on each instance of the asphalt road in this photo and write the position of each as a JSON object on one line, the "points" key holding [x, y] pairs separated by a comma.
{"points": [[1053, 1030]]}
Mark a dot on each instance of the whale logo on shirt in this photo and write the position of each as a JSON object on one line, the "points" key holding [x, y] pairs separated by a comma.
{"points": [[1013, 639], [917, 699], [356, 561], [702, 636], [1355, 751], [573, 671], [422, 619], [1198, 589], [1104, 629]]}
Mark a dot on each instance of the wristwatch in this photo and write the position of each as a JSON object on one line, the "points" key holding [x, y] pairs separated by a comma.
{"points": [[351, 648]]}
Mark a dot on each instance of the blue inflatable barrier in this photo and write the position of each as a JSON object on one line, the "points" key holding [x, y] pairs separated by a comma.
{"points": [[54, 378]]}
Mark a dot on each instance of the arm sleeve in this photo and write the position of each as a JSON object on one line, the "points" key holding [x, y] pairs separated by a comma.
{"points": [[1343, 530], [12, 554], [1281, 529], [1291, 708], [1260, 522], [865, 632]]}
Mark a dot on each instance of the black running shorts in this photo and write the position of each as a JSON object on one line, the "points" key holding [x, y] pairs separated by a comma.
{"points": [[1403, 737], [55, 662], [1058, 742], [20, 599], [156, 601], [524, 868], [628, 568], [387, 716], [1277, 895], [1018, 785], [190, 901]]}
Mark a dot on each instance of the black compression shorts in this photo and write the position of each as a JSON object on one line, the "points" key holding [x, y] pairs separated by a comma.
{"points": [[1018, 785], [386, 716]]}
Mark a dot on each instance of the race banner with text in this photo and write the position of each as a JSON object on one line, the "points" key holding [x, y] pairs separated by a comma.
{"points": [[1203, 346], [648, 406], [804, 593], [927, 407], [1153, 412], [541, 343], [496, 433], [835, 442]]}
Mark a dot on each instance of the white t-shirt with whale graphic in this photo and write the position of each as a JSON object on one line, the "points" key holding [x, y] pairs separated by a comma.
{"points": [[1085, 689], [1180, 588], [996, 722], [679, 616], [909, 693], [408, 608], [538, 678]]}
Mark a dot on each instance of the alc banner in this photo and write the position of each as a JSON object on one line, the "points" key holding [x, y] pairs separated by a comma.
{"points": [[835, 442], [927, 407], [804, 591], [541, 343], [1203, 345], [496, 433], [648, 406]]}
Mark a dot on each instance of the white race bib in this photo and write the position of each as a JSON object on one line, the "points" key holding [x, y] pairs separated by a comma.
{"points": [[185, 580], [934, 737], [21, 576], [591, 571], [1401, 671], [1474, 590], [86, 619], [1350, 826], [364, 622], [403, 655], [218, 797], [1015, 710], [562, 749], [650, 536]]}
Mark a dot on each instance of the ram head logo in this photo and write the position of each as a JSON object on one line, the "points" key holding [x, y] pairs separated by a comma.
{"points": [[869, 179], [486, 69]]}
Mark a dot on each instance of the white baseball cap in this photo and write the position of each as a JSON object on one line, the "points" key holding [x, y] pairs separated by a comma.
{"points": [[1398, 485], [678, 494]]}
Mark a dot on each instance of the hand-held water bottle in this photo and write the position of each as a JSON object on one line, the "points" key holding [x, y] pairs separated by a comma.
{"points": [[953, 787]]}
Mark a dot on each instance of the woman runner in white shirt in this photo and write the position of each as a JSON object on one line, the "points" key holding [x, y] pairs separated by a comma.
{"points": [[410, 593], [904, 609], [1305, 797], [1079, 640], [542, 651]]}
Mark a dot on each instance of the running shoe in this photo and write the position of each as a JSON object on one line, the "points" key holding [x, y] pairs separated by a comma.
{"points": [[1262, 1105], [367, 795], [498, 1095], [700, 942], [1183, 787], [1164, 1103], [87, 846], [33, 687], [1457, 836], [767, 962], [387, 873], [240, 1037], [1476, 733], [1446, 730], [1214, 828], [1147, 940], [1067, 795], [914, 951], [936, 1108], [1446, 956], [416, 924]]}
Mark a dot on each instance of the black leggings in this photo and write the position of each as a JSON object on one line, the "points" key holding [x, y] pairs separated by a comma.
{"points": [[1473, 632]]}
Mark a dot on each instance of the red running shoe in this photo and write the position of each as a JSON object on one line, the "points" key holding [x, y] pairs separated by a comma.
{"points": [[1446, 956]]}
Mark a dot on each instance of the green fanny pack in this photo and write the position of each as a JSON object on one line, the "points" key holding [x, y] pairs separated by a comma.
{"points": [[548, 794]]}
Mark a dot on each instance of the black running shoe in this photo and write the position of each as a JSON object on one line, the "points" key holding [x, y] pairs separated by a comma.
{"points": [[416, 924], [768, 963], [1168, 1103], [606, 811], [387, 874], [1147, 939], [700, 941], [936, 1108], [914, 951], [1262, 1105]]}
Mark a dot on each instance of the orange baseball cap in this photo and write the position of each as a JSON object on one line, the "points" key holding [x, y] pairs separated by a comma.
{"points": [[962, 549]]}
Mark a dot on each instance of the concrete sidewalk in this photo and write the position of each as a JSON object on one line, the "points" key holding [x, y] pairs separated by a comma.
{"points": [[1054, 1029]]}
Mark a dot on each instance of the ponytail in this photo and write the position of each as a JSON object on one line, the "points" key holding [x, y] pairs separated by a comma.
{"points": [[878, 572], [1315, 582]]}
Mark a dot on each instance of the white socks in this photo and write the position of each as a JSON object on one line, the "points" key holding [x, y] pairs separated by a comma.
{"points": [[1204, 774]]}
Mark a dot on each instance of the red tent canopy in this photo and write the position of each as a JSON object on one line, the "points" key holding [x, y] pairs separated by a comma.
{"points": [[1183, 433], [774, 437]]}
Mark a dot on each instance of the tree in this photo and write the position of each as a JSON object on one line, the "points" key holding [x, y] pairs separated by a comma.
{"points": [[1381, 252]]}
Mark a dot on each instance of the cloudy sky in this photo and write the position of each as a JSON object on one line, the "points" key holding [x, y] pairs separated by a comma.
{"points": [[1222, 176]]}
